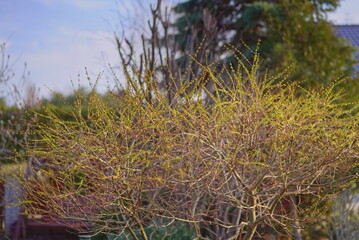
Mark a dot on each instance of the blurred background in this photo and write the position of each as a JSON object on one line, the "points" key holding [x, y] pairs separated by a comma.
{"points": [[59, 39]]}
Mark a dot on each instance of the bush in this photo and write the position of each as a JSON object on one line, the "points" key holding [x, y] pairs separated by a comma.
{"points": [[261, 157]]}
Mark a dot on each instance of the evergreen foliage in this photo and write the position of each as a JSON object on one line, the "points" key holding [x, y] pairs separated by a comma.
{"points": [[291, 32]]}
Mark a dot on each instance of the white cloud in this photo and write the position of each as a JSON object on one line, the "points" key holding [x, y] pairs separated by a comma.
{"points": [[343, 17], [83, 4], [90, 4], [55, 68], [347, 13]]}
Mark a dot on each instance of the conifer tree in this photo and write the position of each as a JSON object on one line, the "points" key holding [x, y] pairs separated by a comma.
{"points": [[291, 32]]}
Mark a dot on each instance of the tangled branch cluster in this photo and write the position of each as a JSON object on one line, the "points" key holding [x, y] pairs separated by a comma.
{"points": [[260, 157]]}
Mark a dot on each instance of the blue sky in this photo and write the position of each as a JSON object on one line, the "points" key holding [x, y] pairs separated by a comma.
{"points": [[59, 38]]}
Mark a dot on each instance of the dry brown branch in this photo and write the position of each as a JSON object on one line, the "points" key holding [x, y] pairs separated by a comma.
{"points": [[260, 159]]}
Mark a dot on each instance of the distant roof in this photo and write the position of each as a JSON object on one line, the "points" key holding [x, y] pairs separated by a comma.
{"points": [[350, 32]]}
